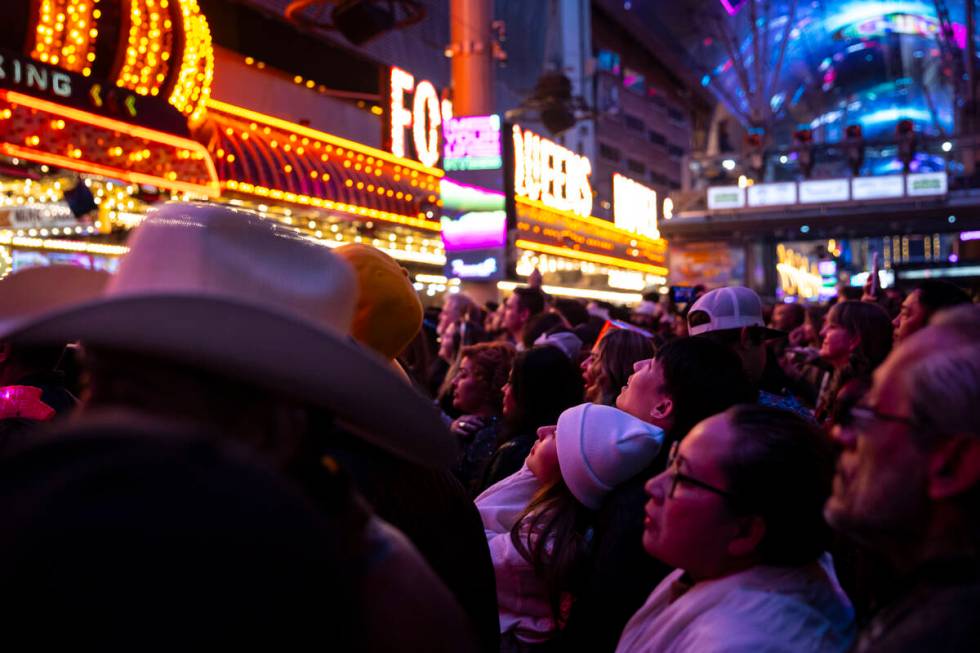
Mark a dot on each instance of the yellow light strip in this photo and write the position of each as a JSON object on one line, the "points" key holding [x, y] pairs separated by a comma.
{"points": [[148, 49], [583, 293], [248, 114], [109, 123], [105, 171], [65, 34], [211, 189], [397, 254], [307, 200], [193, 86], [592, 258], [596, 222], [6, 238]]}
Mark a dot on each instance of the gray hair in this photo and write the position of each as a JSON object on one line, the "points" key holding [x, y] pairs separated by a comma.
{"points": [[943, 385]]}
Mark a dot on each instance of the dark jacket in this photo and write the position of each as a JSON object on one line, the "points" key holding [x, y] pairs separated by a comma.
{"points": [[936, 611], [622, 573], [474, 452], [507, 459], [436, 513]]}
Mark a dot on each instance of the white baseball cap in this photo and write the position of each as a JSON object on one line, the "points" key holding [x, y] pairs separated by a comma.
{"points": [[727, 308]]}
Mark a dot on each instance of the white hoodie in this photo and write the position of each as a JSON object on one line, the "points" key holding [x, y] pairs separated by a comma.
{"points": [[598, 447]]}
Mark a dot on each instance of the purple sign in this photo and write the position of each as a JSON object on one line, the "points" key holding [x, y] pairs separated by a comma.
{"points": [[472, 143], [475, 230]]}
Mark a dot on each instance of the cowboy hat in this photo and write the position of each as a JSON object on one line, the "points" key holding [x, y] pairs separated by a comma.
{"points": [[222, 289]]}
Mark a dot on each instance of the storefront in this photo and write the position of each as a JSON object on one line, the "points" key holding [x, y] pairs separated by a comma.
{"points": [[94, 131]]}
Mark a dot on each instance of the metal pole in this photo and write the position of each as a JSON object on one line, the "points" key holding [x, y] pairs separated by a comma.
{"points": [[971, 59], [472, 52]]}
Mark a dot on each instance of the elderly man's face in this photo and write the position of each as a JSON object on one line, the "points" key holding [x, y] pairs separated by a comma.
{"points": [[880, 489]]}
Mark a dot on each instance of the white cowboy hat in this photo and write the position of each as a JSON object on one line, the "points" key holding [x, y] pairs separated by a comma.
{"points": [[225, 290]]}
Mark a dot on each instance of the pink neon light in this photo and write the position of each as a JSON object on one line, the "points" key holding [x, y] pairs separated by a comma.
{"points": [[732, 10]]}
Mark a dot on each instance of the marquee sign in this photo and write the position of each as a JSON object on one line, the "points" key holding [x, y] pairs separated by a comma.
{"points": [[551, 174], [424, 118], [32, 77], [635, 207]]}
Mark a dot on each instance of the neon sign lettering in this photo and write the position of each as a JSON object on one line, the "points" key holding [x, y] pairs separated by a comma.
{"points": [[547, 172], [484, 268], [472, 143], [35, 76], [425, 117], [635, 207]]}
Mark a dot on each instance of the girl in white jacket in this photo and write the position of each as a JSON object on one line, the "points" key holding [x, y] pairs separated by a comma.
{"points": [[538, 520]]}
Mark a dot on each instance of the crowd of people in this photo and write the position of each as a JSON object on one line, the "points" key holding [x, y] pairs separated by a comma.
{"points": [[245, 438]]}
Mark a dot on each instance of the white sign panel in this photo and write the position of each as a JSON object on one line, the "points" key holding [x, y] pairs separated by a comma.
{"points": [[726, 197], [873, 188], [825, 190], [926, 183], [772, 194]]}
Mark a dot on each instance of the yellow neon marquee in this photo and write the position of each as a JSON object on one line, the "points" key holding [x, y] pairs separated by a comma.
{"points": [[592, 258], [309, 132]]}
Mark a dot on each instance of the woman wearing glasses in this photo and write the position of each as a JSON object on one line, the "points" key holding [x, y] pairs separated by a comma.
{"points": [[738, 512]]}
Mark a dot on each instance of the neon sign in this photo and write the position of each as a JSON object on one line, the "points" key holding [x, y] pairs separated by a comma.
{"points": [[635, 207], [483, 269], [472, 143], [551, 174], [425, 117], [475, 230]]}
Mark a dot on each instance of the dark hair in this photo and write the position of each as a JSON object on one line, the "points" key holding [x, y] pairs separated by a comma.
{"points": [[703, 378], [538, 325], [543, 382], [935, 295], [870, 323], [851, 294], [530, 298], [492, 361], [573, 311], [617, 352], [781, 467], [732, 337], [551, 535], [797, 311], [588, 332]]}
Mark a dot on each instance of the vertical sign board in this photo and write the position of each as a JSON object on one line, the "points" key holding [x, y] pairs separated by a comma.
{"points": [[474, 231], [472, 143]]}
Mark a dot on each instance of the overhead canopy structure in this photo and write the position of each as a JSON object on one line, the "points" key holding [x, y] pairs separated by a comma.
{"points": [[784, 65]]}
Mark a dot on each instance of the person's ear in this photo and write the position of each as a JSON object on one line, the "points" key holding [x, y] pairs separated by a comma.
{"points": [[745, 340], [663, 409], [748, 535], [954, 467]]}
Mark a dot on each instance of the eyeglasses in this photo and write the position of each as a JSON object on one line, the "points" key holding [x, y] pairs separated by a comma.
{"points": [[861, 417], [676, 477]]}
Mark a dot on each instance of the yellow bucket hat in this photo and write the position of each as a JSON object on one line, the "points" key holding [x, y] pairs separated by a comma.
{"points": [[388, 313]]}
